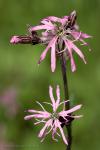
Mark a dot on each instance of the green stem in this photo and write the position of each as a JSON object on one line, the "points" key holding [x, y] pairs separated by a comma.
{"points": [[67, 105]]}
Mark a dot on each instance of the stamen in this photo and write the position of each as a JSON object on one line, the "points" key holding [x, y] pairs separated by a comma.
{"points": [[47, 103], [61, 51], [50, 129], [41, 105], [64, 102], [40, 121]]}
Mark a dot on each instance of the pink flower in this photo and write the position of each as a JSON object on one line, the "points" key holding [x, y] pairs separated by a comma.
{"points": [[51, 120], [57, 31], [15, 40], [27, 39]]}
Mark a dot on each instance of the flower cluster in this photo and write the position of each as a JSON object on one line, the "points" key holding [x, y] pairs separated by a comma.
{"points": [[59, 35], [51, 121]]}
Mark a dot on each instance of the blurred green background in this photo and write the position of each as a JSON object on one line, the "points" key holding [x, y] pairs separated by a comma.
{"points": [[22, 82]]}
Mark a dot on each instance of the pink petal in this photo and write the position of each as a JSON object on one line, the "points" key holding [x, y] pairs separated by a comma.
{"points": [[43, 55], [62, 132], [54, 131], [73, 66], [85, 36], [45, 115], [28, 117], [56, 19], [40, 112], [41, 27], [64, 20], [52, 97], [79, 35], [53, 55], [47, 23], [66, 17], [47, 124], [39, 116], [53, 18], [58, 96], [35, 111], [77, 50], [64, 113]]}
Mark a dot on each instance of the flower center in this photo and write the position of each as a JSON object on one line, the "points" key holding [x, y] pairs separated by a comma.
{"points": [[54, 115], [61, 31]]}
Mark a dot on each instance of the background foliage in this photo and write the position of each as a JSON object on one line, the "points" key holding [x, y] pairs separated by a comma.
{"points": [[22, 81]]}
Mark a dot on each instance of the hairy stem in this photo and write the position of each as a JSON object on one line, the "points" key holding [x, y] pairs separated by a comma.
{"points": [[67, 105]]}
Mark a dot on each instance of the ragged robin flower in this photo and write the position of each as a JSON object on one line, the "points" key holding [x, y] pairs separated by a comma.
{"points": [[59, 35], [51, 121]]}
